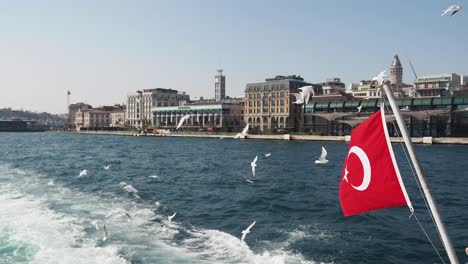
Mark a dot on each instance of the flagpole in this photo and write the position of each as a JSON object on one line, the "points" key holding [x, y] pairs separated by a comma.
{"points": [[432, 205]]}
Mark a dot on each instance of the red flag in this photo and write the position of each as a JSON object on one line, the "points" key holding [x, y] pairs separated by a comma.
{"points": [[370, 178]]}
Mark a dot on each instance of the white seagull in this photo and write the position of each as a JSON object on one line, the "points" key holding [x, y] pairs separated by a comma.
{"points": [[83, 173], [380, 78], [246, 231], [247, 180], [107, 167], [323, 157], [182, 120], [244, 132], [105, 234], [253, 164], [307, 93], [359, 109], [267, 155], [129, 188], [299, 99], [170, 217], [453, 8], [95, 223], [304, 95]]}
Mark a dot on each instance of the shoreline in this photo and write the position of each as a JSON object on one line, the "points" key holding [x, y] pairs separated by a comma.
{"points": [[415, 140]]}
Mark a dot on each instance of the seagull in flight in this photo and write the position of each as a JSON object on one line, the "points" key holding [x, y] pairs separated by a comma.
{"points": [[246, 231], [129, 188], [380, 78], [170, 217], [267, 155], [359, 109], [105, 234], [453, 8], [253, 164], [83, 173], [243, 133], [182, 120], [95, 223], [299, 98], [107, 167], [247, 180], [323, 157]]}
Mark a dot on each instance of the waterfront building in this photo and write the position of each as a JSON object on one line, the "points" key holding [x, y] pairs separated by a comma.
{"points": [[438, 85], [92, 119], [269, 105], [220, 85], [367, 89], [206, 115], [72, 109], [333, 86], [118, 118], [139, 105], [435, 117]]}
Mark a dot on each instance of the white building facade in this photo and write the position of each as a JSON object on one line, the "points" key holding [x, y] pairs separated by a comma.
{"points": [[139, 105]]}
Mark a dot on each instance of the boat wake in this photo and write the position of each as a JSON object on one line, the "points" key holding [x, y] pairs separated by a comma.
{"points": [[43, 223]]}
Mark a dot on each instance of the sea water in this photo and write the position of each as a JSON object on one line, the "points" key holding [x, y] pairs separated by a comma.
{"points": [[48, 214]]}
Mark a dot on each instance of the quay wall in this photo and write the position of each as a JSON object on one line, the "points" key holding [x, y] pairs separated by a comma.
{"points": [[416, 140]]}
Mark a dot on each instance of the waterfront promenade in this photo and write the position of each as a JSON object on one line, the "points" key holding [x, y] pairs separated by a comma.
{"points": [[416, 140]]}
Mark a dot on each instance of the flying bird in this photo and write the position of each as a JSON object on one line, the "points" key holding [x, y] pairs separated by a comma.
{"points": [[253, 164], [246, 231], [83, 173], [107, 167], [182, 120], [323, 157], [380, 78], [95, 223], [359, 109], [307, 92], [170, 217], [453, 8], [299, 98], [129, 188], [267, 155], [243, 133], [105, 234], [247, 180]]}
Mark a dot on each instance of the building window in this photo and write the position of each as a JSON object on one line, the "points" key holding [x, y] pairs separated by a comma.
{"points": [[282, 110], [283, 86], [282, 102], [282, 94]]}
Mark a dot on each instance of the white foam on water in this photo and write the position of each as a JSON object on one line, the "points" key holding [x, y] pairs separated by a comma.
{"points": [[54, 224]]}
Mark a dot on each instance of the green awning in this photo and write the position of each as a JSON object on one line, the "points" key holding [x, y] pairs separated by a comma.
{"points": [[426, 101], [460, 101], [406, 102], [321, 105], [442, 101], [352, 103], [336, 105], [370, 103]]}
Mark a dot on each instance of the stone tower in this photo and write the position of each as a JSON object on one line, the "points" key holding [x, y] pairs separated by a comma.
{"points": [[396, 71], [220, 85]]}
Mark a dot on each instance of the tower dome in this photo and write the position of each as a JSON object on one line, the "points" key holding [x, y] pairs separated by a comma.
{"points": [[396, 71]]}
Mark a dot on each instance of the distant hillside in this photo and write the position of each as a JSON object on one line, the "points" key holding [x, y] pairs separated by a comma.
{"points": [[41, 118]]}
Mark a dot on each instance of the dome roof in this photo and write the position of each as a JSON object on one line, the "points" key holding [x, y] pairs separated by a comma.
{"points": [[396, 61]]}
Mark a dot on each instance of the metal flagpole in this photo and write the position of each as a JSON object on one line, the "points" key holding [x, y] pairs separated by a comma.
{"points": [[432, 205]]}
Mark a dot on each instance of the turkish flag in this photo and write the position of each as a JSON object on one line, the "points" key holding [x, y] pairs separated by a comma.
{"points": [[370, 178]]}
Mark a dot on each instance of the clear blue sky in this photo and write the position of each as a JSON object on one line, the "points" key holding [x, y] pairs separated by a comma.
{"points": [[101, 50]]}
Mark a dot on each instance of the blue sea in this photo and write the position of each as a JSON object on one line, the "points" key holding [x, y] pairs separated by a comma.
{"points": [[50, 214]]}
